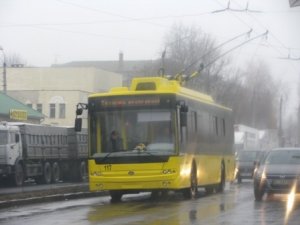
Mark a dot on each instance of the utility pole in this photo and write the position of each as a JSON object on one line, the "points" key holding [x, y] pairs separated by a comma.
{"points": [[4, 72], [298, 126], [4, 78], [298, 115], [162, 68], [280, 133]]}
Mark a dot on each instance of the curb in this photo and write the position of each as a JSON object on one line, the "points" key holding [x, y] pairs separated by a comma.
{"points": [[59, 194]]}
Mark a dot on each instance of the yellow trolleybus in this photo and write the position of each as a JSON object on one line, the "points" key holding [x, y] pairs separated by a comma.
{"points": [[157, 136]]}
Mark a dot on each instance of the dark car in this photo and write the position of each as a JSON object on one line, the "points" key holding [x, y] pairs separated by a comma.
{"points": [[246, 161], [278, 172]]}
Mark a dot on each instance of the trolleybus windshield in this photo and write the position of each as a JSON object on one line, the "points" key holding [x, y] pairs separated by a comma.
{"points": [[133, 130]]}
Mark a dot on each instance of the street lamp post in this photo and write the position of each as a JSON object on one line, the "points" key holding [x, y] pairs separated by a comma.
{"points": [[4, 71]]}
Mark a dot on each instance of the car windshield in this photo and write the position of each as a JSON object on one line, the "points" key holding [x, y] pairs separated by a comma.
{"points": [[283, 157]]}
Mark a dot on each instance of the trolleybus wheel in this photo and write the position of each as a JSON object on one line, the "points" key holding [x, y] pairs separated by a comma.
{"points": [[115, 196], [154, 195], [55, 172], [221, 185], [192, 191]]}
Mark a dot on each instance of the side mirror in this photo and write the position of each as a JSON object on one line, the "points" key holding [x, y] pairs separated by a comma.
{"points": [[79, 111], [183, 115], [78, 124], [183, 119]]}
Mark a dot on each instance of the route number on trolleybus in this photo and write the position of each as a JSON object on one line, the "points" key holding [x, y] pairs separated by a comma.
{"points": [[107, 167]]}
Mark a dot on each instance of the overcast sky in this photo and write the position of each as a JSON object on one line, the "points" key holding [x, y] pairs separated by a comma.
{"points": [[44, 32]]}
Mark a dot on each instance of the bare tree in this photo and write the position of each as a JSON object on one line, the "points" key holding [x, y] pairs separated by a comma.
{"points": [[189, 48], [260, 98], [12, 59]]}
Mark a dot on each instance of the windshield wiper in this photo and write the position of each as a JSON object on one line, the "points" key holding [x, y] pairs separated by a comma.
{"points": [[108, 154], [148, 153]]}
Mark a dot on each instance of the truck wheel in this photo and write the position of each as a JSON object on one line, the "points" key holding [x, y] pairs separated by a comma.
{"points": [[55, 172], [83, 172], [47, 173], [18, 176]]}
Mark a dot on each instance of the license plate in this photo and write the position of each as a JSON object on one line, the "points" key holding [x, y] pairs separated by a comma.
{"points": [[282, 182]]}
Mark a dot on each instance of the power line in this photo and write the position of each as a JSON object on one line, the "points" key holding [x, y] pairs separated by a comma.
{"points": [[243, 22], [87, 33], [107, 13], [228, 8], [232, 49], [272, 35], [140, 19], [217, 47], [261, 24]]}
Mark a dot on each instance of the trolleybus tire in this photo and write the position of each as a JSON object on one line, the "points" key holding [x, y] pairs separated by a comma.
{"points": [[221, 185], [192, 191], [115, 196], [154, 195]]}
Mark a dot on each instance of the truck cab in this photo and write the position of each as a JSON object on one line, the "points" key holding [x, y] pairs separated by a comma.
{"points": [[10, 149]]}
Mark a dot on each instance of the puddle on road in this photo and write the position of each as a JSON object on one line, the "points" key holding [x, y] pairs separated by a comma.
{"points": [[172, 209]]}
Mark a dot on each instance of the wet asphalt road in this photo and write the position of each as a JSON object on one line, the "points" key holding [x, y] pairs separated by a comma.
{"points": [[235, 206]]}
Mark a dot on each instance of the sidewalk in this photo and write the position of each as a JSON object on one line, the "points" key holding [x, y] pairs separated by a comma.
{"points": [[30, 195]]}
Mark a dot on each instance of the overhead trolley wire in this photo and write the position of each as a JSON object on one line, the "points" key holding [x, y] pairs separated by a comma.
{"points": [[215, 48], [271, 33]]}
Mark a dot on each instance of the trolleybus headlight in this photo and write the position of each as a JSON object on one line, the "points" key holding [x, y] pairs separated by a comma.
{"points": [[185, 172]]}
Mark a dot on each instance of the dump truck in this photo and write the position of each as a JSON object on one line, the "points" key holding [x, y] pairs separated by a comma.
{"points": [[47, 154]]}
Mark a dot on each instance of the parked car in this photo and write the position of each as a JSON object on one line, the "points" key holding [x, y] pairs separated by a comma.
{"points": [[246, 161], [277, 173]]}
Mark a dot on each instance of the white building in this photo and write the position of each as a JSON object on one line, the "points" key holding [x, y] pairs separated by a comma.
{"points": [[56, 91]]}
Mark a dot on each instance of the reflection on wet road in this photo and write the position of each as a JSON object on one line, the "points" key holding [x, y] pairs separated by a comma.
{"points": [[235, 206]]}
